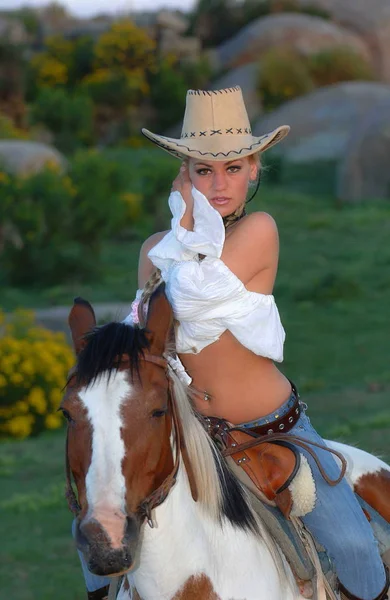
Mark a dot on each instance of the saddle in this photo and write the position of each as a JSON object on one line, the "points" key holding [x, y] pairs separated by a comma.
{"points": [[274, 473]]}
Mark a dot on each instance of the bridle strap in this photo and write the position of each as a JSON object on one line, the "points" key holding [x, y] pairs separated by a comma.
{"points": [[158, 496]]}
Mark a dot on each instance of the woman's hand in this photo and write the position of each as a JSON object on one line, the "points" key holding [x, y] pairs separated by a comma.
{"points": [[183, 184]]}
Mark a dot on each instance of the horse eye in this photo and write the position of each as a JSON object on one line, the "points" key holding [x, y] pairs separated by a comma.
{"points": [[160, 412], [66, 415]]}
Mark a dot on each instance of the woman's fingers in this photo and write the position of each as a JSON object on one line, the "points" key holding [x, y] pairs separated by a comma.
{"points": [[182, 182]]}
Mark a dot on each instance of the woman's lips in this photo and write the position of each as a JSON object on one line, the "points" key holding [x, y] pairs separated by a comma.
{"points": [[220, 200]]}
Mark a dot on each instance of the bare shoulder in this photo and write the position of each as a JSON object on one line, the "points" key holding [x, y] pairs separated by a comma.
{"points": [[257, 230], [260, 222], [252, 246], [152, 240]]}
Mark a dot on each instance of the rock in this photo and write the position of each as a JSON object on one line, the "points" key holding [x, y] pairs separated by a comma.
{"points": [[364, 173], [22, 157], [323, 121], [304, 33], [370, 19], [12, 31]]}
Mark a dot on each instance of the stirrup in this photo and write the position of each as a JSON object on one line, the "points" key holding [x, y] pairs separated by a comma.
{"points": [[382, 596]]}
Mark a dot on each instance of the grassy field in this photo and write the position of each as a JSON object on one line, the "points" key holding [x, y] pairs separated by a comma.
{"points": [[333, 293]]}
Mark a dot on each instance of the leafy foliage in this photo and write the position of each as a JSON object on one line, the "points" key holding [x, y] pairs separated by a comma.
{"points": [[34, 364], [283, 76], [53, 225], [69, 116], [338, 64]]}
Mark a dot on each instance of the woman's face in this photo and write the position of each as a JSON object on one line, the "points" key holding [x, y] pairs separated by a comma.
{"points": [[225, 184]]}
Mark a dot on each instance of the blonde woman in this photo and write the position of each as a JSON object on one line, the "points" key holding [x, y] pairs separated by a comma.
{"points": [[219, 266]]}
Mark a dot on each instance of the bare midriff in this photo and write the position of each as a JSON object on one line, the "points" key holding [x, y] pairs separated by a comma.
{"points": [[240, 385]]}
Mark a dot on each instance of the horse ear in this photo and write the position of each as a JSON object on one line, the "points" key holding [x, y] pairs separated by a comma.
{"points": [[159, 320], [81, 320]]}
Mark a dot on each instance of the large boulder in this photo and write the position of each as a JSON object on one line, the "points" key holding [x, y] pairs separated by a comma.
{"points": [[364, 172], [23, 157], [370, 19], [322, 124], [304, 33]]}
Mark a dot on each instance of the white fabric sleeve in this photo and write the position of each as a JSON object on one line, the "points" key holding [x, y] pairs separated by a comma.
{"points": [[209, 298], [132, 317], [179, 244]]}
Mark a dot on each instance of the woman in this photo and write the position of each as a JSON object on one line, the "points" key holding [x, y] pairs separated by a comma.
{"points": [[219, 265]]}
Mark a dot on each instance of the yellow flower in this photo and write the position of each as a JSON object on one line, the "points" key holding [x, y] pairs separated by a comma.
{"points": [[53, 421], [20, 427], [37, 400]]}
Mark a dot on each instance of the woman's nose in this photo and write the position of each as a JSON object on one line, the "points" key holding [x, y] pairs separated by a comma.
{"points": [[219, 181]]}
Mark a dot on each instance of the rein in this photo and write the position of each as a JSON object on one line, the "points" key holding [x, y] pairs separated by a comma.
{"points": [[298, 441], [160, 494]]}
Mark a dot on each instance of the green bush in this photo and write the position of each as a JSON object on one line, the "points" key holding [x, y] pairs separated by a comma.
{"points": [[168, 94], [68, 116], [8, 131], [283, 76], [338, 64], [54, 225], [34, 364], [116, 88]]}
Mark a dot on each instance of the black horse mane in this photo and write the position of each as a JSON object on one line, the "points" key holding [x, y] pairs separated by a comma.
{"points": [[105, 347]]}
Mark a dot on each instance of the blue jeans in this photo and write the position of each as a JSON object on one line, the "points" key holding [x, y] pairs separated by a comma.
{"points": [[337, 520]]}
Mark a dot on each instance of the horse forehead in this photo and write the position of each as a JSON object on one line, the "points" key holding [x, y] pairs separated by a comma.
{"points": [[105, 397]]}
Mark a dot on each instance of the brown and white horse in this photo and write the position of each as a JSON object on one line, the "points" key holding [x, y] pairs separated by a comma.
{"points": [[129, 424]]}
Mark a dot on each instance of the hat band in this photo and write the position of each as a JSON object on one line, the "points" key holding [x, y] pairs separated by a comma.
{"points": [[212, 132]]}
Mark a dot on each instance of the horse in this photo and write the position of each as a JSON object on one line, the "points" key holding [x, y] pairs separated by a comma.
{"points": [[156, 502]]}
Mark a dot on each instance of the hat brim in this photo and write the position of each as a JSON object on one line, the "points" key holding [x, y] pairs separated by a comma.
{"points": [[211, 148]]}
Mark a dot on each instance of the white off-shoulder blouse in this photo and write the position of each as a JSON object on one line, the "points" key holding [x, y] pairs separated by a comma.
{"points": [[207, 298]]}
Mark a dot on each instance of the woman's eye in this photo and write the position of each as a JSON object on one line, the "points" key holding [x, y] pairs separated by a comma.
{"points": [[203, 171], [234, 169]]}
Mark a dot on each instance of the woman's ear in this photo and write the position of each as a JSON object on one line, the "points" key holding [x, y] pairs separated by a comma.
{"points": [[253, 170]]}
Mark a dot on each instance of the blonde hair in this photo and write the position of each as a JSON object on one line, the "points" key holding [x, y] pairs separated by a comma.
{"points": [[155, 279]]}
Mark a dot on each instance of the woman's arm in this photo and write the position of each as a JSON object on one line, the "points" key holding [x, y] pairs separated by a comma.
{"points": [[252, 247], [145, 265]]}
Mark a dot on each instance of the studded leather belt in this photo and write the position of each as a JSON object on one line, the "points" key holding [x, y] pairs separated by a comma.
{"points": [[278, 425]]}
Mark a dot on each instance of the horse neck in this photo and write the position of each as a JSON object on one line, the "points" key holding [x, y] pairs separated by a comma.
{"points": [[186, 544]]}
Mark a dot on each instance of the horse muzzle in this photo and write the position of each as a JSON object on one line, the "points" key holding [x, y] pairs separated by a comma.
{"points": [[103, 554]]}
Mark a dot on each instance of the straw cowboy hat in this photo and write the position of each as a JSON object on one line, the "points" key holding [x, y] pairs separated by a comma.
{"points": [[216, 127]]}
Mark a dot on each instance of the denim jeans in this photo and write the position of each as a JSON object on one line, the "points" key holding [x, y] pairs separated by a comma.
{"points": [[339, 524]]}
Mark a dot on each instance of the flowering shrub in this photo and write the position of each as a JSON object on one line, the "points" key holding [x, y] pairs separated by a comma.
{"points": [[283, 76], [34, 363], [334, 65]]}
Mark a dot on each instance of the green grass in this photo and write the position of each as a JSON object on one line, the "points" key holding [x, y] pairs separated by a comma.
{"points": [[37, 556]]}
